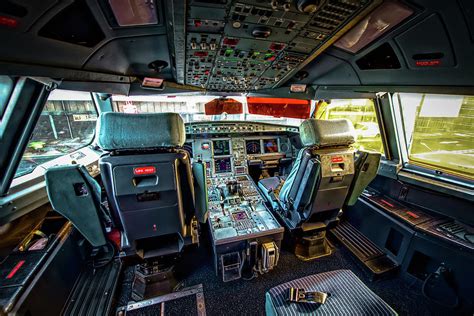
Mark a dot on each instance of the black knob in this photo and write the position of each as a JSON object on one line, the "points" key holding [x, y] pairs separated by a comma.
{"points": [[158, 65], [307, 6]]}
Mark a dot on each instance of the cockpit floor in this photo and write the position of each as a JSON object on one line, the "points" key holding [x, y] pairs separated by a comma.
{"points": [[243, 297]]}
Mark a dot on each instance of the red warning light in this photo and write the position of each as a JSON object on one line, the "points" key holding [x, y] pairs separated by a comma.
{"points": [[277, 46], [201, 54], [231, 41], [428, 63], [9, 22]]}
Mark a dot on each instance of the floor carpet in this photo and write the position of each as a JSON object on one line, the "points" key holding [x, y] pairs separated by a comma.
{"points": [[243, 297]]}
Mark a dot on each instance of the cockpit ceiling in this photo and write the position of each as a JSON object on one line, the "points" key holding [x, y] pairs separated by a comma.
{"points": [[240, 45], [235, 46]]}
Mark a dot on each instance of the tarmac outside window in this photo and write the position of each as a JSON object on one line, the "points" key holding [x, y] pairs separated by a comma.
{"points": [[439, 131]]}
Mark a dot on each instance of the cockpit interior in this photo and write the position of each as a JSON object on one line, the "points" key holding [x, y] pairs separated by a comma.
{"points": [[236, 157]]}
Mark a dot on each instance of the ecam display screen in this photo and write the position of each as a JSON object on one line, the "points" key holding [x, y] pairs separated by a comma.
{"points": [[221, 147], [270, 145], [238, 216], [222, 165]]}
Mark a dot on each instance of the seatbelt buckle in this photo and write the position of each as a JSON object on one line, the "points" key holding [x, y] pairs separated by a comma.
{"points": [[301, 296]]}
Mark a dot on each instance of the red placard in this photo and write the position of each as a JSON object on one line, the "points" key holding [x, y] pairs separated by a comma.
{"points": [[152, 82], [337, 159], [15, 269], [412, 214], [387, 203], [144, 170]]}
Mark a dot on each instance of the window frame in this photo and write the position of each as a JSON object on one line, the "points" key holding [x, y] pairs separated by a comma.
{"points": [[34, 170], [8, 89], [419, 168], [386, 154]]}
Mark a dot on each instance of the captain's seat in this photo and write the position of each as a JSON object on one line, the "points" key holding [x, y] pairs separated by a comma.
{"points": [[148, 180], [319, 183]]}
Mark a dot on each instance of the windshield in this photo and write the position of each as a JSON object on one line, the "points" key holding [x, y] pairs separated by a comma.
{"points": [[191, 108]]}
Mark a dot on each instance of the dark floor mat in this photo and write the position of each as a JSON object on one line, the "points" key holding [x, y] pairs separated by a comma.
{"points": [[248, 297]]}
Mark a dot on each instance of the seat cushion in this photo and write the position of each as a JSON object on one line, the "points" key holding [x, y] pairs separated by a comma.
{"points": [[349, 296]]}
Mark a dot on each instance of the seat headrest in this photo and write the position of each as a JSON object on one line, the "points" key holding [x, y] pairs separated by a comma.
{"points": [[117, 131], [326, 133]]}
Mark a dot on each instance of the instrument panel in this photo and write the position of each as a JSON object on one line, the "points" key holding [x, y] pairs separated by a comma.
{"points": [[229, 149]]}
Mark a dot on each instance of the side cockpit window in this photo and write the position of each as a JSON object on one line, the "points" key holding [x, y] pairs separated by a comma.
{"points": [[439, 132], [67, 123], [361, 112]]}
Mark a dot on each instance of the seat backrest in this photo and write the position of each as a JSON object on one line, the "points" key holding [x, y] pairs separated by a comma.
{"points": [[148, 179], [74, 194], [323, 171], [366, 167], [200, 187]]}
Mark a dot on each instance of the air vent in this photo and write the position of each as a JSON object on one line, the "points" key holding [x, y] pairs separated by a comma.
{"points": [[383, 57], [333, 14], [76, 25]]}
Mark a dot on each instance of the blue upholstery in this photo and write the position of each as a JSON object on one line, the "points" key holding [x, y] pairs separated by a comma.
{"points": [[118, 131], [285, 189], [348, 296], [314, 133]]}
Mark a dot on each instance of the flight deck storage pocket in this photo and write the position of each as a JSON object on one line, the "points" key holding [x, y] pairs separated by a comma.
{"points": [[20, 267], [230, 266]]}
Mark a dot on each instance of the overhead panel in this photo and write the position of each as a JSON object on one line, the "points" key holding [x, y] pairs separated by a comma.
{"points": [[242, 45]]}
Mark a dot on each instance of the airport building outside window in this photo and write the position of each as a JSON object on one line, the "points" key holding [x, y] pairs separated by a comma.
{"points": [[67, 123]]}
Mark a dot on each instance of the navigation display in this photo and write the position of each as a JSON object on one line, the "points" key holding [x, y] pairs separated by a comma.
{"points": [[222, 165], [270, 145], [221, 147], [253, 146]]}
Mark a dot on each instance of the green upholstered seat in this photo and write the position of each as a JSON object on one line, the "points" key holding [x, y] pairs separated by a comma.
{"points": [[120, 131], [74, 194]]}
